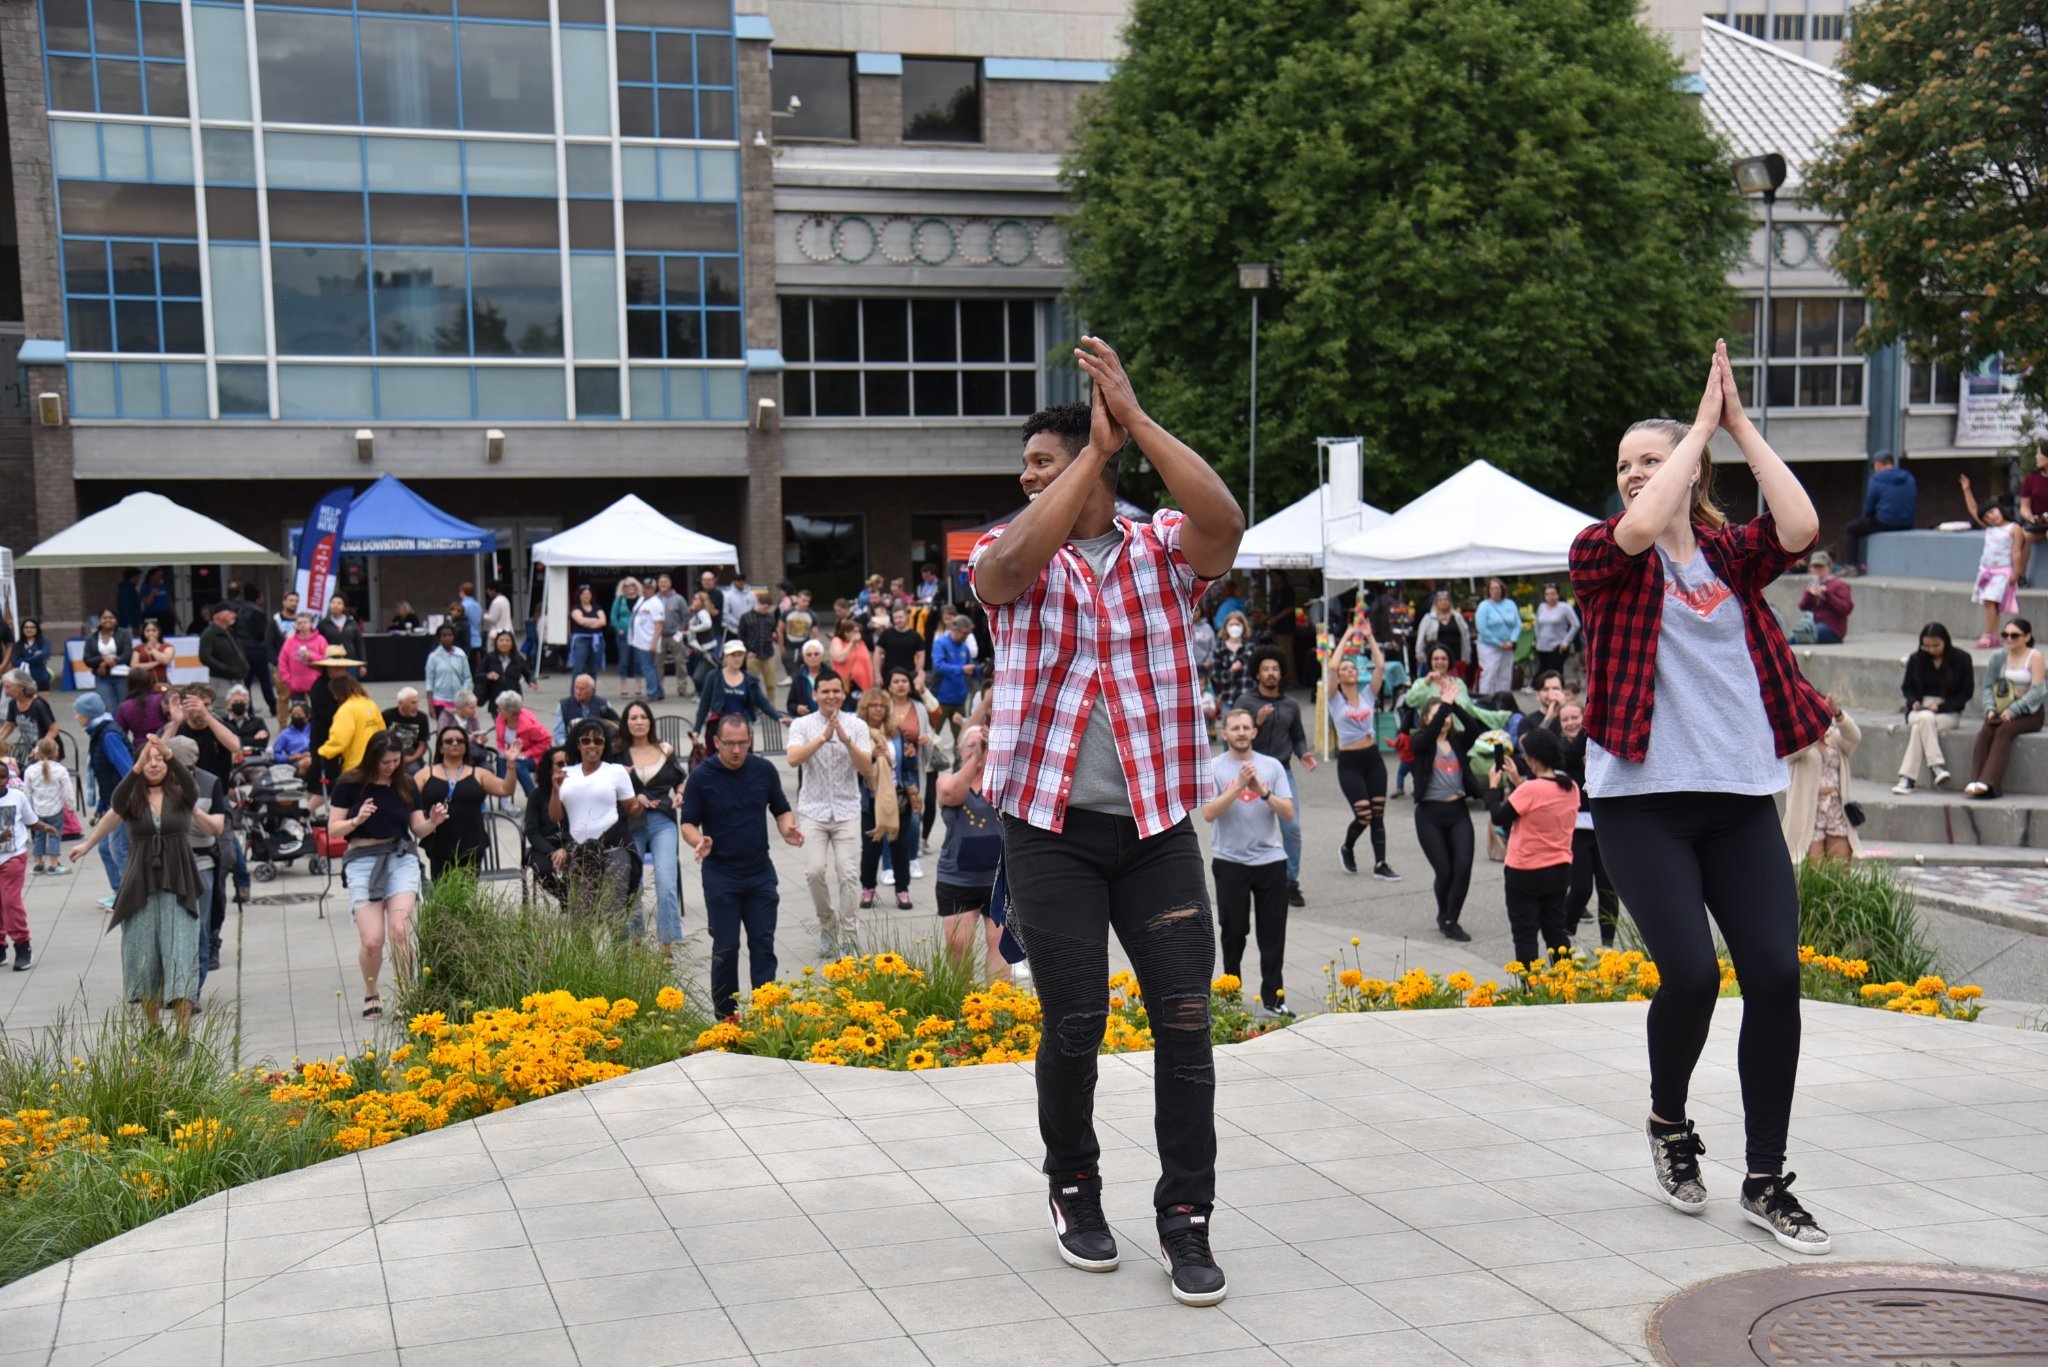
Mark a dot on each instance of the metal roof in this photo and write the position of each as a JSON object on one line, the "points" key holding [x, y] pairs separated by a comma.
{"points": [[1765, 99]]}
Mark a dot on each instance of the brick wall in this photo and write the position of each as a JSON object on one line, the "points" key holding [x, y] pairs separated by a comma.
{"points": [[760, 537], [1031, 116], [878, 106], [55, 594]]}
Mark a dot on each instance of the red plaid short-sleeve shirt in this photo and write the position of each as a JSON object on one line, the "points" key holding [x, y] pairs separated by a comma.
{"points": [[1621, 601], [1070, 641]]}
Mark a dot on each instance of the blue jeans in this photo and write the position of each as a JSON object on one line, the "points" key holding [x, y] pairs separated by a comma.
{"points": [[731, 904], [1290, 834], [656, 839], [586, 654], [522, 769], [114, 857], [110, 690], [205, 900], [47, 844], [648, 662]]}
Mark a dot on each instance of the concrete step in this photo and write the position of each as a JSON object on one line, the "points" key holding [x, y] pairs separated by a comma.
{"points": [[1884, 745], [1865, 671], [1885, 605], [1947, 818]]}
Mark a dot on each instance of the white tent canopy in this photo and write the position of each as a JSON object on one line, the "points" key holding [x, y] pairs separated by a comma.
{"points": [[147, 529], [631, 532], [1480, 521], [1294, 537]]}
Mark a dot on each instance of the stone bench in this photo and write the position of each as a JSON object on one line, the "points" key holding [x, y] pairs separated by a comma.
{"points": [[1925, 554]]}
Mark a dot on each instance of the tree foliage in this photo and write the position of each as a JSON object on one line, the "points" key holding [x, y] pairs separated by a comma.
{"points": [[1938, 180], [1501, 231]]}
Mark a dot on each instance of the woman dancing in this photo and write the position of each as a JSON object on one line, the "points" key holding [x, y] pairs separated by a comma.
{"points": [[1693, 702]]}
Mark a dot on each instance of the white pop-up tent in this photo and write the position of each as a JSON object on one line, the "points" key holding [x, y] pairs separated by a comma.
{"points": [[147, 529], [1294, 537], [1480, 521], [630, 532]]}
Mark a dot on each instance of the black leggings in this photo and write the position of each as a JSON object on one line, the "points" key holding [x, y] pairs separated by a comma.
{"points": [[1362, 774], [1676, 858], [1535, 900], [1589, 874], [1445, 830]]}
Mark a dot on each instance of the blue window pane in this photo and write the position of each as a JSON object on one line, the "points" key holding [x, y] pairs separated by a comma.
{"points": [[722, 334], [714, 59], [135, 326], [685, 335], [520, 393], [586, 83], [421, 306], [237, 299], [324, 391], [675, 112], [90, 325], [648, 402], [594, 295], [714, 114], [170, 155], [177, 265], [76, 149], [516, 303], [134, 268], [313, 161], [165, 83], [726, 393], [85, 268], [643, 334], [679, 281], [185, 391], [114, 28], [590, 171], [510, 168], [67, 26], [120, 86], [322, 301], [127, 151], [230, 156], [718, 174], [423, 391], [307, 64], [92, 389], [507, 78], [220, 48], [686, 395], [408, 73], [163, 30], [244, 391], [142, 389], [71, 84], [721, 280], [415, 165], [597, 392], [637, 173], [673, 64]]}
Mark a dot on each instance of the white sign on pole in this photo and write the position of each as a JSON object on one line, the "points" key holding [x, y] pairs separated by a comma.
{"points": [[1989, 412]]}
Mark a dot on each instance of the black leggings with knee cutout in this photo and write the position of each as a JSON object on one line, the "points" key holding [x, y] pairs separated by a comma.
{"points": [[1362, 774], [1067, 891]]}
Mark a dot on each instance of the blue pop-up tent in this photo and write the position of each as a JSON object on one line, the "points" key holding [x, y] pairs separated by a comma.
{"points": [[390, 519]]}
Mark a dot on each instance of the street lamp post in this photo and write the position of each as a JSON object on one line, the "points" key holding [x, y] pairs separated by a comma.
{"points": [[1762, 176], [1254, 276]]}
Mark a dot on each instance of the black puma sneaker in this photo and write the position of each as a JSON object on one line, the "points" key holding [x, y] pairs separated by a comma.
{"points": [[1184, 1252], [1075, 1207]]}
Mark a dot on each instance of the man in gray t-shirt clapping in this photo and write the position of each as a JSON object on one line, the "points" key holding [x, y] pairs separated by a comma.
{"points": [[1247, 858]]}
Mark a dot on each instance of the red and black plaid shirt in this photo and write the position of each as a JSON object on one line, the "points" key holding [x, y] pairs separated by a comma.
{"points": [[1621, 602]]}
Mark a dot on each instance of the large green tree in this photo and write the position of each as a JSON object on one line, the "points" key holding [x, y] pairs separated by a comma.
{"points": [[1501, 229], [1938, 179]]}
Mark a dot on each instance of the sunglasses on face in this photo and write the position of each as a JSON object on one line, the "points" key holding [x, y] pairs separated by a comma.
{"points": [[2013, 635], [589, 741]]}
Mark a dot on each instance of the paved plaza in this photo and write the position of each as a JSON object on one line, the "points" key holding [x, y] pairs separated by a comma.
{"points": [[1439, 1187]]}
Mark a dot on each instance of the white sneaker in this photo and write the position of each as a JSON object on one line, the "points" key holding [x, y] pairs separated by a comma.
{"points": [[917, 868], [1904, 785], [1941, 777]]}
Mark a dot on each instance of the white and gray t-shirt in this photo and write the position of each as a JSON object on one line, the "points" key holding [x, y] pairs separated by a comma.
{"points": [[1100, 784], [1708, 728], [1248, 830]]}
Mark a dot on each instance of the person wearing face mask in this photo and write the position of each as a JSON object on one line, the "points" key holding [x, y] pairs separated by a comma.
{"points": [[295, 737], [246, 723], [1230, 668]]}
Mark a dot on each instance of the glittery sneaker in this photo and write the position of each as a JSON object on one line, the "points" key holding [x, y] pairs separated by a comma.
{"points": [[1768, 1203], [1675, 1155]]}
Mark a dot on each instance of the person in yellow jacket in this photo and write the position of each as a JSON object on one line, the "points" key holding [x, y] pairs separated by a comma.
{"points": [[356, 719]]}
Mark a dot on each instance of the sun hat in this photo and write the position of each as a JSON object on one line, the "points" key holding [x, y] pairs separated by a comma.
{"points": [[337, 658]]}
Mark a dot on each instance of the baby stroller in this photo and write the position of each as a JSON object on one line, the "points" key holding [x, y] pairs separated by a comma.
{"points": [[271, 802]]}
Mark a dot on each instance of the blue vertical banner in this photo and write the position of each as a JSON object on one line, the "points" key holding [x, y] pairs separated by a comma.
{"points": [[320, 549]]}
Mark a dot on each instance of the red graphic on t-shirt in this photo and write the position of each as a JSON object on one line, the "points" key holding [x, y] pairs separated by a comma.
{"points": [[1704, 600]]}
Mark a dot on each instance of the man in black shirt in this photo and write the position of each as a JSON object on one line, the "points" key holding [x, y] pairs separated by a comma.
{"points": [[1281, 736], [409, 726], [721, 819], [252, 631], [901, 648]]}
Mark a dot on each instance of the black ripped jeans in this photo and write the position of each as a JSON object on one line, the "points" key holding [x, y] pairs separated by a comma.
{"points": [[1066, 893]]}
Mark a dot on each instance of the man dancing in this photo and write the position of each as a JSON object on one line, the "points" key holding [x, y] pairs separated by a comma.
{"points": [[1096, 757]]}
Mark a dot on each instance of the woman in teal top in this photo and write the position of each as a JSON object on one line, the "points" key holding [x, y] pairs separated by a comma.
{"points": [[1499, 620], [623, 605]]}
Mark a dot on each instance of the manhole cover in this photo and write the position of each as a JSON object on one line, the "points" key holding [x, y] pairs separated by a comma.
{"points": [[1857, 1315], [283, 899]]}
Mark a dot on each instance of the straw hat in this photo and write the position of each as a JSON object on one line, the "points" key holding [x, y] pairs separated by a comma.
{"points": [[337, 658]]}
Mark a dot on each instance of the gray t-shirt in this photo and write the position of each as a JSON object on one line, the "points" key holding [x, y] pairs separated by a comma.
{"points": [[1100, 784], [1248, 831], [1708, 728]]}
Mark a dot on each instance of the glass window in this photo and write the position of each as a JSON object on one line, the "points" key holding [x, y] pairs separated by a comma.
{"points": [[590, 170], [313, 161], [881, 358], [941, 100], [636, 119], [322, 303], [325, 391], [718, 174], [114, 28], [638, 173], [126, 147], [85, 268], [686, 395], [822, 85], [507, 78], [510, 168], [516, 303], [597, 391], [307, 64], [155, 296], [831, 550], [231, 214], [711, 14], [316, 216], [163, 31], [89, 324], [142, 389], [1751, 24], [1819, 327], [101, 208], [120, 87], [237, 299], [714, 59], [586, 83], [220, 48], [71, 84], [594, 296], [423, 391], [682, 227], [422, 304], [796, 329], [408, 73], [835, 328], [1827, 28], [984, 330], [677, 167], [243, 390], [648, 390], [885, 329], [170, 155], [416, 220], [722, 280], [75, 148], [184, 384], [515, 223], [67, 26], [92, 389], [590, 225], [520, 392], [164, 84], [933, 323], [1788, 28], [415, 165], [636, 56]]}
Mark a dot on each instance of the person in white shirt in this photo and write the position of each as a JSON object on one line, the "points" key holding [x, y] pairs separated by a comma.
{"points": [[831, 749], [649, 620], [17, 822], [739, 600], [596, 801], [497, 613]]}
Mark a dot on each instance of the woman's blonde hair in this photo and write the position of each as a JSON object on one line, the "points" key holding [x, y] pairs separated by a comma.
{"points": [[1706, 509], [869, 701]]}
